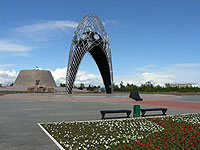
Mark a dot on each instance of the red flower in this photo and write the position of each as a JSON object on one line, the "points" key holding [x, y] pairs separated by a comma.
{"points": [[141, 144]]}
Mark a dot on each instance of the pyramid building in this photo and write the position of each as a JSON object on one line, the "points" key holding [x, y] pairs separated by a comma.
{"points": [[30, 78]]}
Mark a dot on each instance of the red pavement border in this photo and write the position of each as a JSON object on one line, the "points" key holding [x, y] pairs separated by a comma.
{"points": [[152, 100], [171, 104]]}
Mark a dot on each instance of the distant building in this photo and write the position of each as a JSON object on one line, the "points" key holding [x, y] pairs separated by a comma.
{"points": [[96, 90], [180, 85]]}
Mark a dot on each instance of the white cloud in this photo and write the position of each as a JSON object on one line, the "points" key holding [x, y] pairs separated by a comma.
{"points": [[7, 76], [5, 65], [46, 30], [146, 68], [21, 54], [88, 78], [6, 46], [170, 74], [82, 77], [175, 73], [59, 75], [157, 78], [107, 22], [49, 25]]}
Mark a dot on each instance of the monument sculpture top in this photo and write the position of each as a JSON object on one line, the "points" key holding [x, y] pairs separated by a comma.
{"points": [[90, 36]]}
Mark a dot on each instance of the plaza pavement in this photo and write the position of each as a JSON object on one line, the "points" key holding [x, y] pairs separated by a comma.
{"points": [[20, 113]]}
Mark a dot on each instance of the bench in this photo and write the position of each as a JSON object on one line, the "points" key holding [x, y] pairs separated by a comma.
{"points": [[103, 112], [164, 110]]}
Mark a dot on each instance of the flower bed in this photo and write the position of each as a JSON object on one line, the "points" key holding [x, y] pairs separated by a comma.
{"points": [[173, 132]]}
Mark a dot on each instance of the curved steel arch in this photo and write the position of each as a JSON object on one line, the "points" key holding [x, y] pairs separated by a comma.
{"points": [[90, 36]]}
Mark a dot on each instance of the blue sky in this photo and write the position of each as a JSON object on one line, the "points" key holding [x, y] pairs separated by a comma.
{"points": [[151, 40]]}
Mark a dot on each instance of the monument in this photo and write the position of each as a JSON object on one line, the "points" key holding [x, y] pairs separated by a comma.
{"points": [[90, 36], [30, 78]]}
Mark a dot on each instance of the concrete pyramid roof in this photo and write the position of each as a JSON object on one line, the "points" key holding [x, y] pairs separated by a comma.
{"points": [[28, 78]]}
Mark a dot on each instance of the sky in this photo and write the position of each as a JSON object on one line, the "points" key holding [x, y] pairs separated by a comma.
{"points": [[150, 40]]}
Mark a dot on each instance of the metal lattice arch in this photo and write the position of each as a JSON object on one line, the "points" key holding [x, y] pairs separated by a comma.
{"points": [[90, 36]]}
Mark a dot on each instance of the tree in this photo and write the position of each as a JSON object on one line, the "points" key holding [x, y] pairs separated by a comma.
{"points": [[116, 88], [62, 85], [149, 84], [89, 87], [81, 86], [122, 87]]}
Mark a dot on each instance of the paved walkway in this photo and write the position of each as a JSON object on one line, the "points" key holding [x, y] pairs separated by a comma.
{"points": [[20, 113]]}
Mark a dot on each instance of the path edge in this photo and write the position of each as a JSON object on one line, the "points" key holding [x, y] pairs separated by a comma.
{"points": [[47, 133]]}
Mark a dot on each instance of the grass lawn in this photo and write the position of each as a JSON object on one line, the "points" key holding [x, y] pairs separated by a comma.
{"points": [[13, 92], [171, 132]]}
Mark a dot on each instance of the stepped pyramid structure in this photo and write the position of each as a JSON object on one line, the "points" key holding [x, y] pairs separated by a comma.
{"points": [[30, 78]]}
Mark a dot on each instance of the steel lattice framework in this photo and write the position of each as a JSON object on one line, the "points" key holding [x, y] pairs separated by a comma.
{"points": [[90, 36]]}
